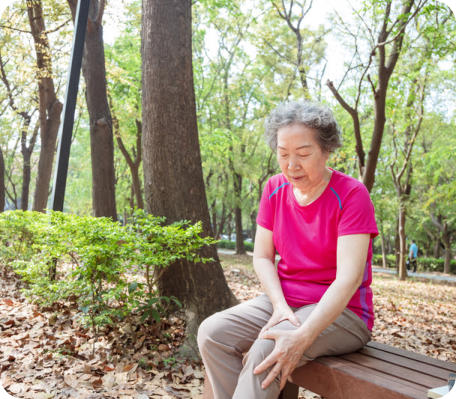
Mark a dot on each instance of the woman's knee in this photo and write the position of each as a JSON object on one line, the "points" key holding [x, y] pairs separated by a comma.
{"points": [[259, 350], [209, 330]]}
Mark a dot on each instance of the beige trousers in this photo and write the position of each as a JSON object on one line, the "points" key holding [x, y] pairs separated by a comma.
{"points": [[225, 336]]}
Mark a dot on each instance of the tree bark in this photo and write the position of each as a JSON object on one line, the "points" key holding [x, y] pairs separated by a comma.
{"points": [[50, 107], [173, 178], [221, 224], [101, 136], [2, 182], [382, 241], [446, 239], [27, 151], [26, 174], [402, 243], [240, 248], [133, 162]]}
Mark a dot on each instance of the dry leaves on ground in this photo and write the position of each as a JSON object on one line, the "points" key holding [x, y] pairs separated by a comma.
{"points": [[47, 354]]}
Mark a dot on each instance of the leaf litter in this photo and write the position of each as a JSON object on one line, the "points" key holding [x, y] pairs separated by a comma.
{"points": [[46, 353]]}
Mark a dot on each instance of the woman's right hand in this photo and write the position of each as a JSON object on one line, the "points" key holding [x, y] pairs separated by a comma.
{"points": [[279, 314]]}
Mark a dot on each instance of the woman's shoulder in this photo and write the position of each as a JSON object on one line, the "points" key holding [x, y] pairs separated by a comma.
{"points": [[277, 180], [346, 184], [275, 183]]}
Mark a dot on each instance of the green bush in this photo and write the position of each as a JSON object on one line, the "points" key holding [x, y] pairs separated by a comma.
{"points": [[423, 264], [227, 244], [97, 260]]}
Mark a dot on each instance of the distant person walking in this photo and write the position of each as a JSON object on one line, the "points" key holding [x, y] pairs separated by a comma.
{"points": [[413, 255]]}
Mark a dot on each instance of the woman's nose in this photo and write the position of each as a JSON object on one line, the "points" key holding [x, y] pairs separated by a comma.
{"points": [[292, 164]]}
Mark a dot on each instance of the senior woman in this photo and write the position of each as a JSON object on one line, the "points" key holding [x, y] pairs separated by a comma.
{"points": [[318, 299]]}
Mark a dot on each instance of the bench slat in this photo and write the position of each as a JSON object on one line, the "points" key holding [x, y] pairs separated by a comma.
{"points": [[406, 362], [451, 367], [336, 378], [414, 375]]}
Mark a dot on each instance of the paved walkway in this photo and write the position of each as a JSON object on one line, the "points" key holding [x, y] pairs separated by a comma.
{"points": [[375, 269]]}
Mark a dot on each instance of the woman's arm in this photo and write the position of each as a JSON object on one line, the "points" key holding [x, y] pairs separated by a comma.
{"points": [[264, 265], [291, 345]]}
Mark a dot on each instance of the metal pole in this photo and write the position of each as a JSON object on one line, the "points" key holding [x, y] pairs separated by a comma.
{"points": [[66, 128]]}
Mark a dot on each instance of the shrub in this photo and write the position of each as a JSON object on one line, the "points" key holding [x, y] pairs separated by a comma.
{"points": [[98, 260], [227, 244], [424, 264]]}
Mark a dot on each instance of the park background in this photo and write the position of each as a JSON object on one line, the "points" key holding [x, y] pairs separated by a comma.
{"points": [[386, 68]]}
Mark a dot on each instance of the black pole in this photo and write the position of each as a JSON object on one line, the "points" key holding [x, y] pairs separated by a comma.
{"points": [[66, 128]]}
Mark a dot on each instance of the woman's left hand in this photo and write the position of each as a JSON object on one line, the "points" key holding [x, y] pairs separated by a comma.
{"points": [[288, 350]]}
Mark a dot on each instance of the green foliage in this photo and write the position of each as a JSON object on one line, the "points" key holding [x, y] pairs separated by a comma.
{"points": [[109, 270], [425, 264], [232, 245]]}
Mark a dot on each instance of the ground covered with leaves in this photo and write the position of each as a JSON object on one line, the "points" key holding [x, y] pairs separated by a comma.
{"points": [[46, 353]]}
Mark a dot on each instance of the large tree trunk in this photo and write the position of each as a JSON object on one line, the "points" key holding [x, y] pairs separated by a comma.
{"points": [[173, 178], [2, 182], [50, 106], [101, 137]]}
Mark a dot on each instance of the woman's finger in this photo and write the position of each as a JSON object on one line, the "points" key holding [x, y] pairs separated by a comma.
{"points": [[286, 371], [294, 320], [266, 363], [275, 371]]}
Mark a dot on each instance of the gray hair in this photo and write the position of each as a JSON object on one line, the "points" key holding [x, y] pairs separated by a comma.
{"points": [[311, 115]]}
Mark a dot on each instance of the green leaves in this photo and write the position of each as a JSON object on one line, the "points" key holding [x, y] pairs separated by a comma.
{"points": [[110, 269]]}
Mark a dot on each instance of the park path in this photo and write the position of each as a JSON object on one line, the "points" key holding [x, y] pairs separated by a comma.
{"points": [[376, 269]]}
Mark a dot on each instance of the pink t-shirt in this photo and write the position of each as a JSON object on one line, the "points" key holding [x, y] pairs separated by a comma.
{"points": [[306, 238]]}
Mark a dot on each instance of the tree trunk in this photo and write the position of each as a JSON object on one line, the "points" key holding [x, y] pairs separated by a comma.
{"points": [[133, 162], [26, 169], [240, 249], [136, 181], [402, 243], [253, 216], [214, 219], [436, 250], [173, 178], [50, 106], [382, 241], [446, 239], [397, 246], [101, 137], [2, 182], [221, 225]]}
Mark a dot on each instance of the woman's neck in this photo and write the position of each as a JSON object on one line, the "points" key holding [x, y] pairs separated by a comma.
{"points": [[307, 196]]}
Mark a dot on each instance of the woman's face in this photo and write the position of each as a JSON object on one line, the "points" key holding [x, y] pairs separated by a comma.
{"points": [[300, 156]]}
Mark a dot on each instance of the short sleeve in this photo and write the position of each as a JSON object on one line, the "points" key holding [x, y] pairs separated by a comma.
{"points": [[358, 214], [265, 216]]}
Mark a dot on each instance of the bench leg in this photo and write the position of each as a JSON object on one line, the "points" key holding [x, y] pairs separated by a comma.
{"points": [[290, 391]]}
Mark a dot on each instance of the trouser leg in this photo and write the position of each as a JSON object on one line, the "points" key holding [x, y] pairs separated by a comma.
{"points": [[348, 333], [225, 336]]}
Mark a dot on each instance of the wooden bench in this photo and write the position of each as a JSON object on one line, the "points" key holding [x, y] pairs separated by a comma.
{"points": [[377, 371]]}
